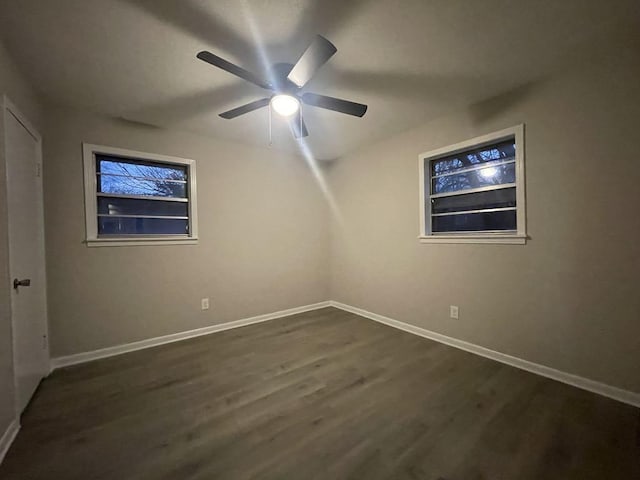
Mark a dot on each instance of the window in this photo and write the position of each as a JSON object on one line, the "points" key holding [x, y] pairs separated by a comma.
{"points": [[138, 198], [473, 192]]}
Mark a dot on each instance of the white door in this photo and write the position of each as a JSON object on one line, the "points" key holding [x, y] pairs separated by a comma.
{"points": [[26, 254]]}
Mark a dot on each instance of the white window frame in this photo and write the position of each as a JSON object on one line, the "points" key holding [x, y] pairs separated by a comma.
{"points": [[512, 237], [89, 152]]}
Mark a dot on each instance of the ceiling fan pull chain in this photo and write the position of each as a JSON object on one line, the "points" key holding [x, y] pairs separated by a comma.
{"points": [[270, 133], [300, 121]]}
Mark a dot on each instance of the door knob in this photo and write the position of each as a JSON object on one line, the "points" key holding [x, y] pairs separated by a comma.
{"points": [[21, 283]]}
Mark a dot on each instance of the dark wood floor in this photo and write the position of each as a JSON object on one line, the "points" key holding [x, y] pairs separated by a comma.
{"points": [[321, 395]]}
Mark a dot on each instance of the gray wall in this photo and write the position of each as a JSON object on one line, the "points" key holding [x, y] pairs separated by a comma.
{"points": [[263, 228], [569, 298], [17, 90]]}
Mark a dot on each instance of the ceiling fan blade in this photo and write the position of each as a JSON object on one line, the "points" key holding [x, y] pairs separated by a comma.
{"points": [[216, 61], [335, 104], [298, 127], [311, 60], [249, 107]]}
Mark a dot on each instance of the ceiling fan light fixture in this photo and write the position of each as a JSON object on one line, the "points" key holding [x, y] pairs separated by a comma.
{"points": [[285, 105]]}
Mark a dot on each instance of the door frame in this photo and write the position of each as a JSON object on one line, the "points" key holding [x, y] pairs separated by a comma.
{"points": [[10, 109]]}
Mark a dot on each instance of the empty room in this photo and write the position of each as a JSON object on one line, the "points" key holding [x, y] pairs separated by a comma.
{"points": [[319, 239]]}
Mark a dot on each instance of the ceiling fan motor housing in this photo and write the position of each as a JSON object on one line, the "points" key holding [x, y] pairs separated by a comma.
{"points": [[281, 84]]}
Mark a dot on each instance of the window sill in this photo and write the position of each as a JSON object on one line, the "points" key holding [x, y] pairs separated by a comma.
{"points": [[497, 239], [135, 242]]}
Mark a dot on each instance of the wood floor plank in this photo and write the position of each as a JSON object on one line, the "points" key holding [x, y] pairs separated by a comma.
{"points": [[320, 395]]}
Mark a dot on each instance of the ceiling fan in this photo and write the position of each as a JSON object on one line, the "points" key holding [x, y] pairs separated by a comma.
{"points": [[286, 85]]}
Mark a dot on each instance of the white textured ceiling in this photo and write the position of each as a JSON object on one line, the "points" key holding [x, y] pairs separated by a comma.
{"points": [[409, 60]]}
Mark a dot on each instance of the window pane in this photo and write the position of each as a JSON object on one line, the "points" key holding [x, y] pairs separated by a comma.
{"points": [[130, 206], [505, 197], [491, 175], [122, 185], [141, 226], [131, 177], [474, 156], [133, 168], [474, 222]]}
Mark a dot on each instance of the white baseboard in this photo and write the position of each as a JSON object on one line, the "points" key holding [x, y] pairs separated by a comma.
{"points": [[176, 337], [615, 393], [8, 437]]}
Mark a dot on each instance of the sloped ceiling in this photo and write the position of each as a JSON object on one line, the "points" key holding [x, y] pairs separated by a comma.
{"points": [[409, 60]]}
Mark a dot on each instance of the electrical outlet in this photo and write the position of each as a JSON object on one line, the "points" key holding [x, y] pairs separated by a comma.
{"points": [[204, 303], [453, 311]]}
